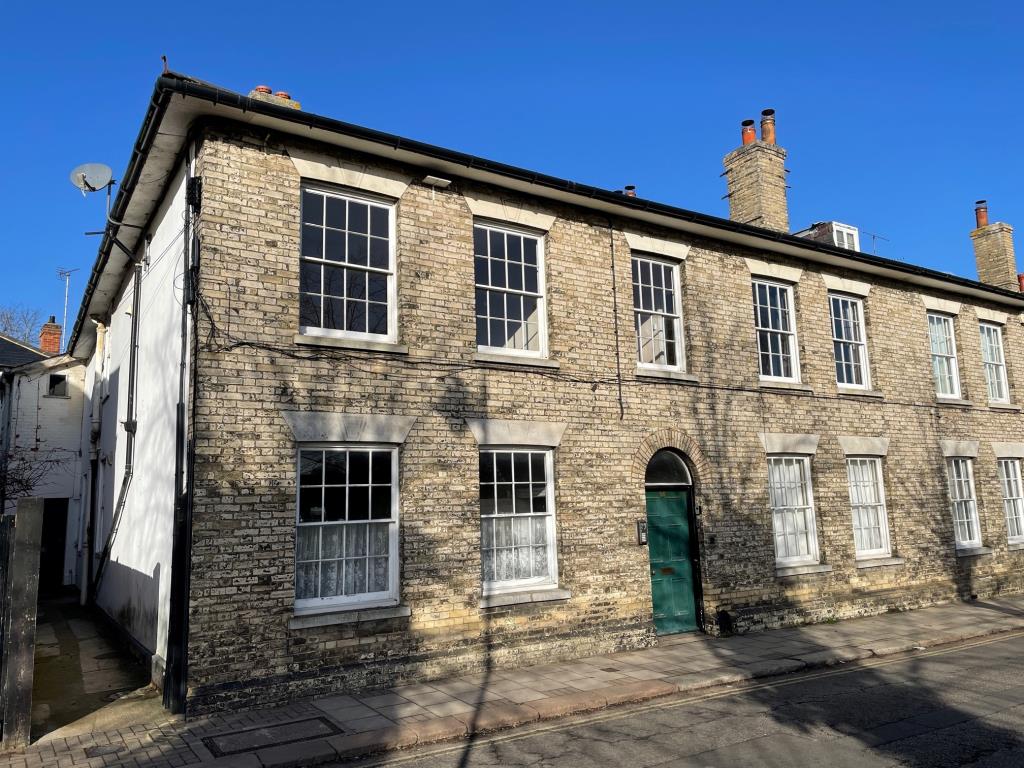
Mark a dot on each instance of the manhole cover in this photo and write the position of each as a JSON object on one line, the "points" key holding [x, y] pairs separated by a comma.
{"points": [[251, 739]]}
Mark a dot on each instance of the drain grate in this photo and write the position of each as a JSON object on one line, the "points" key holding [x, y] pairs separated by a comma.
{"points": [[251, 739]]}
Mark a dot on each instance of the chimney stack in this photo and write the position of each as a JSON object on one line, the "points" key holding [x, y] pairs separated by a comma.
{"points": [[281, 98], [756, 177], [49, 336], [993, 251]]}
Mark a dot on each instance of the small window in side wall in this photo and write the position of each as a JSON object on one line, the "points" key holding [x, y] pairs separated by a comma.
{"points": [[657, 312], [347, 266], [346, 538], [517, 520], [509, 285], [57, 385]]}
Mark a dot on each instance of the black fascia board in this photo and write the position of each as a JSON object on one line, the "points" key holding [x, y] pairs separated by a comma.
{"points": [[172, 83]]}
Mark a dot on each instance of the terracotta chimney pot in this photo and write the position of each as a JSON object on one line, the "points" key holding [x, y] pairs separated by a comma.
{"points": [[768, 126], [981, 213], [747, 132]]}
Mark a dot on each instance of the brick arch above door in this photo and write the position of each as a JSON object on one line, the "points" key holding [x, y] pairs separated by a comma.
{"points": [[670, 438]]}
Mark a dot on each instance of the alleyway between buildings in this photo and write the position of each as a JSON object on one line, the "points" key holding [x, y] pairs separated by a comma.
{"points": [[342, 726], [85, 681]]}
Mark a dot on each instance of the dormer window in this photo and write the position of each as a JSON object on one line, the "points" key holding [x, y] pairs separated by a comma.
{"points": [[846, 236]]}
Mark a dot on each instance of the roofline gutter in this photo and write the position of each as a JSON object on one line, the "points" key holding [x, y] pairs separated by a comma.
{"points": [[140, 152], [703, 225]]}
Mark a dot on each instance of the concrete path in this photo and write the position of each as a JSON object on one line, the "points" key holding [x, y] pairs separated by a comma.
{"points": [[338, 727], [84, 681]]}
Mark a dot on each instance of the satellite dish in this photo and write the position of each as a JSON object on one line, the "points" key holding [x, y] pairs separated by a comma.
{"points": [[91, 177]]}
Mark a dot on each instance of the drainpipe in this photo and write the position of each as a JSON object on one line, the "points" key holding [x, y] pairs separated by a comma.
{"points": [[176, 663], [85, 526], [130, 423]]}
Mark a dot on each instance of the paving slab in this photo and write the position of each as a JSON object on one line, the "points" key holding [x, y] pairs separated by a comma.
{"points": [[403, 716]]}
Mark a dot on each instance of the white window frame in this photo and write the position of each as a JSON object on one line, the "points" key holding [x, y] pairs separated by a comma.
{"points": [[1011, 480], [392, 272], [810, 519], [881, 508], [963, 500], [638, 258], [369, 599], [952, 360], [995, 370], [861, 345], [541, 295], [847, 234], [794, 342], [533, 584]]}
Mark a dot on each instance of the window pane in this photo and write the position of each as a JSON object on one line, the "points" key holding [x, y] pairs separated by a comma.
{"points": [[508, 291], [792, 513], [337, 231], [514, 530], [655, 312]]}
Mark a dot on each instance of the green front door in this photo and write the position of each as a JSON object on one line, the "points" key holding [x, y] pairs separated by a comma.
{"points": [[668, 545]]}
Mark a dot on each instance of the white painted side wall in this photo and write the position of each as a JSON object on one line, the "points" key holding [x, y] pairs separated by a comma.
{"points": [[47, 429], [135, 586]]}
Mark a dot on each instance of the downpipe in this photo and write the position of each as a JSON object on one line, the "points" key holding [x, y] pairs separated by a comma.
{"points": [[130, 423]]}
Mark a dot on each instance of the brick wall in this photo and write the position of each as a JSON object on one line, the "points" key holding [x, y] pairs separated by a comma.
{"points": [[241, 650]]}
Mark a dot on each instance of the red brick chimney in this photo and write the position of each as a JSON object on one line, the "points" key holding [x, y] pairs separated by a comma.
{"points": [[49, 336]]}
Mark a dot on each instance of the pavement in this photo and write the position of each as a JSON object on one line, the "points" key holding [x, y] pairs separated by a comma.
{"points": [[343, 727], [946, 708]]}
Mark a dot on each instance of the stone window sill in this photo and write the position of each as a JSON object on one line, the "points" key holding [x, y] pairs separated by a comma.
{"points": [[1005, 407], [527, 362], [665, 375], [520, 598], [794, 387], [1015, 546], [973, 551], [353, 616], [878, 562], [854, 392], [310, 340], [802, 570], [954, 402]]}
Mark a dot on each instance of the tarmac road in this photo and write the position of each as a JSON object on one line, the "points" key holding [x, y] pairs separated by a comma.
{"points": [[955, 706]]}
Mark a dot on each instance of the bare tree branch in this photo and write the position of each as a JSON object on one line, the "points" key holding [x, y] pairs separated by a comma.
{"points": [[21, 323], [23, 471]]}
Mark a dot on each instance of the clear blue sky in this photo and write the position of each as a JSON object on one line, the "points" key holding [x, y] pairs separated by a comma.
{"points": [[896, 115]]}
